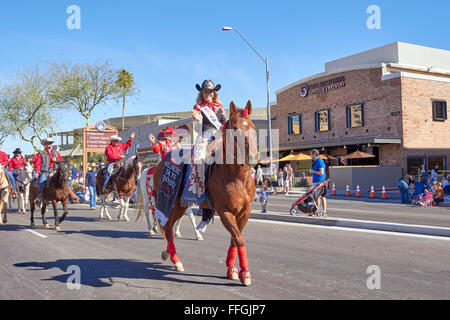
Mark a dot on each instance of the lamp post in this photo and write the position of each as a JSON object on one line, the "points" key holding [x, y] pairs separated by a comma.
{"points": [[269, 123]]}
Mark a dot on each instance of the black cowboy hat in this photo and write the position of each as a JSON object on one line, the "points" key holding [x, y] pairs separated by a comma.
{"points": [[17, 151], [208, 85]]}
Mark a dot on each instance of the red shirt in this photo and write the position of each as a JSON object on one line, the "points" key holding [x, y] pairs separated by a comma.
{"points": [[165, 146], [114, 153], [34, 160], [37, 165], [16, 163], [4, 159]]}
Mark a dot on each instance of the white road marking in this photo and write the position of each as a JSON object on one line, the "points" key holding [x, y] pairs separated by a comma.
{"points": [[352, 229], [34, 232]]}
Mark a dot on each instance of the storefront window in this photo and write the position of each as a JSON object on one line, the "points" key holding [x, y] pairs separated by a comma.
{"points": [[294, 124], [355, 116], [323, 120], [413, 164], [440, 161]]}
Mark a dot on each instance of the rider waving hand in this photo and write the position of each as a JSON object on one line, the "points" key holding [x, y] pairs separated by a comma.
{"points": [[114, 152], [166, 145]]}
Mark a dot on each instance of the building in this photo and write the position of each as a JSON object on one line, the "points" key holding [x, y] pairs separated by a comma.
{"points": [[390, 101]]}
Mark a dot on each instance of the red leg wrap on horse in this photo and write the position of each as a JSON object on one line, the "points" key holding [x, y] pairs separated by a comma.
{"points": [[173, 253], [231, 256], [243, 263]]}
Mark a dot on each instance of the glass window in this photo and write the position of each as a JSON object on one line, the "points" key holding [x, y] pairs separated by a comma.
{"points": [[439, 110], [413, 164], [294, 124], [355, 116], [323, 120]]}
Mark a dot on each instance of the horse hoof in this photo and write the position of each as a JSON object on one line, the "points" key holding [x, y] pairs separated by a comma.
{"points": [[232, 274], [46, 226], [152, 233], [199, 237], [179, 266], [178, 235], [165, 255], [245, 277], [57, 228]]}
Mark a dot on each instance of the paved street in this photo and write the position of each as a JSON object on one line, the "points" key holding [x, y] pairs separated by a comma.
{"points": [[118, 260]]}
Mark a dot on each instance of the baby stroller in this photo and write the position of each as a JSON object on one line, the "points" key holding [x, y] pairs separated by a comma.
{"points": [[308, 202]]}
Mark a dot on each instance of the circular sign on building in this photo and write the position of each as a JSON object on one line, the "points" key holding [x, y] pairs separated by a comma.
{"points": [[304, 90], [100, 126]]}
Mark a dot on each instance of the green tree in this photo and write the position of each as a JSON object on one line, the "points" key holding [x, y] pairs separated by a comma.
{"points": [[126, 84], [28, 107], [82, 87]]}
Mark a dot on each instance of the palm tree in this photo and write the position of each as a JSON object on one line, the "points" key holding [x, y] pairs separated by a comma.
{"points": [[125, 81]]}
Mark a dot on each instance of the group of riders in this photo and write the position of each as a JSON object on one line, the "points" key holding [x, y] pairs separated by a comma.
{"points": [[208, 113]]}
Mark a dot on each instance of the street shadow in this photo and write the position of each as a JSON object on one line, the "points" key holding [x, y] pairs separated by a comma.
{"points": [[11, 227], [114, 234], [100, 273]]}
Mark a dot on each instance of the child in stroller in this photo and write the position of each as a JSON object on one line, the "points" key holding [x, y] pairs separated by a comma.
{"points": [[309, 202]]}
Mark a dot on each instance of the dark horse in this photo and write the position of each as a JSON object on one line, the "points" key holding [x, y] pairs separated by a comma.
{"points": [[231, 189], [123, 183], [54, 189]]}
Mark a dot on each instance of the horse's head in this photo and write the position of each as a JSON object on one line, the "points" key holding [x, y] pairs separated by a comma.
{"points": [[134, 165], [242, 129], [64, 171]]}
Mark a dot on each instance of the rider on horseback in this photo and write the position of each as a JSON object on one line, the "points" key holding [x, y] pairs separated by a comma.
{"points": [[210, 115], [4, 161], [166, 145], [46, 162], [18, 162], [114, 153]]}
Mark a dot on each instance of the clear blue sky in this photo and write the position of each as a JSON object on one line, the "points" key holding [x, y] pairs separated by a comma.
{"points": [[170, 46]]}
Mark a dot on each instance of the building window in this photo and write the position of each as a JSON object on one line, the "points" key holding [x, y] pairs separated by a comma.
{"points": [[295, 124], [439, 110], [355, 116], [322, 120], [413, 164]]}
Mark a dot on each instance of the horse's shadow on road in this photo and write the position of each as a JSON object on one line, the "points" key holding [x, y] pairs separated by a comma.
{"points": [[100, 273]]}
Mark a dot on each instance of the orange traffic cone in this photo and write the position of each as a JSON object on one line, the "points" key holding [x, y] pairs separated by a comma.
{"points": [[372, 192], [347, 191], [383, 193], [358, 192], [333, 190]]}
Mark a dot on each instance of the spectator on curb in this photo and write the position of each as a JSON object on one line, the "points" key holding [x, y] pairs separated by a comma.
{"points": [[90, 184], [286, 180], [291, 175], [403, 184], [259, 175], [434, 174], [263, 197], [424, 176], [274, 183], [280, 180], [438, 194]]}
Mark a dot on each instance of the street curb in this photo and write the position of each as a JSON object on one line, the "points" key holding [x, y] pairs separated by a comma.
{"points": [[357, 224]]}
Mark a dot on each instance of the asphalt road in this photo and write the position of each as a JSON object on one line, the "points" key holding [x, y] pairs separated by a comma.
{"points": [[119, 260], [368, 210]]}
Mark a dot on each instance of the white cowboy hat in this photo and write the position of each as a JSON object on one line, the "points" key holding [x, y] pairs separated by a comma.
{"points": [[48, 140], [114, 137]]}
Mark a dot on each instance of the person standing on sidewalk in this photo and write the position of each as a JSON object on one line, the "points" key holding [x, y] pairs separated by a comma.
{"points": [[259, 176], [90, 183], [424, 176], [291, 176], [403, 184], [318, 176], [286, 180]]}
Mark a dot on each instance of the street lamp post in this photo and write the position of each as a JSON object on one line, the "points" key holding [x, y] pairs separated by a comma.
{"points": [[269, 123]]}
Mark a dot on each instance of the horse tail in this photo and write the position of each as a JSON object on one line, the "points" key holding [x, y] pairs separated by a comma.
{"points": [[140, 200]]}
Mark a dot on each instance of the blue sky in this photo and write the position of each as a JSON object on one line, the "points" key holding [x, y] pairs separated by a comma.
{"points": [[170, 46]]}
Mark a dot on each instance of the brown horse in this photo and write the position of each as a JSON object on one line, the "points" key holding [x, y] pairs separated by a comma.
{"points": [[4, 195], [123, 183], [232, 189], [54, 190]]}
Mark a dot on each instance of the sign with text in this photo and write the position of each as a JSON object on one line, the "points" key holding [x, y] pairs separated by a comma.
{"points": [[98, 139]]}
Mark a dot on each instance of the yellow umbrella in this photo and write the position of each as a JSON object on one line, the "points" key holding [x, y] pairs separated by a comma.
{"points": [[301, 156], [287, 158]]}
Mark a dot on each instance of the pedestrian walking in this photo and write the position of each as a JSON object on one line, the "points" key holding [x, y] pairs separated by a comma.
{"points": [[403, 185], [286, 180], [259, 175], [318, 176], [90, 184], [263, 197], [291, 176]]}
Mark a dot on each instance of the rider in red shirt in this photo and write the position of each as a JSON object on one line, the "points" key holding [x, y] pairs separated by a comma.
{"points": [[166, 145], [114, 152], [4, 161], [17, 162]]}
